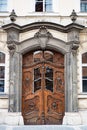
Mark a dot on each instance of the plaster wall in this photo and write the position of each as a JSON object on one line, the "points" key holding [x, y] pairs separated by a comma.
{"points": [[61, 7], [3, 103]]}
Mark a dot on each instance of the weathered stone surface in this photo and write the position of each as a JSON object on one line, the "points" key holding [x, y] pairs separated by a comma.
{"points": [[3, 127], [83, 127], [72, 119], [83, 115], [2, 117], [11, 119]]}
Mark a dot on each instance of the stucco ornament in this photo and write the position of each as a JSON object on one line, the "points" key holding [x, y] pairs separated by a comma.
{"points": [[43, 36]]}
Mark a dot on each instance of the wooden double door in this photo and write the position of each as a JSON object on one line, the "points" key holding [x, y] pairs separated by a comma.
{"points": [[43, 88]]}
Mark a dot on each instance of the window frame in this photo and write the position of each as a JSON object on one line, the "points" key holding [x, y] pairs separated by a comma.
{"points": [[83, 5], [3, 65], [3, 6], [83, 65], [44, 4]]}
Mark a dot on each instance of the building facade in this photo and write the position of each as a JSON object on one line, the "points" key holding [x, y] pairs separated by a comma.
{"points": [[43, 63]]}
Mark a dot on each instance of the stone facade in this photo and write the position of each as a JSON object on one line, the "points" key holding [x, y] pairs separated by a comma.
{"points": [[60, 34]]}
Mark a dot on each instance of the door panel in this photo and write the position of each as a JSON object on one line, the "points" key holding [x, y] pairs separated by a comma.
{"points": [[43, 100]]}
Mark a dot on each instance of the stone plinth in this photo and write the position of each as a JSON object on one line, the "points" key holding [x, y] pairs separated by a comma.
{"points": [[72, 119], [11, 119]]}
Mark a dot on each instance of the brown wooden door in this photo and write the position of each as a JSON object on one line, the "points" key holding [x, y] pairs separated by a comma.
{"points": [[43, 88]]}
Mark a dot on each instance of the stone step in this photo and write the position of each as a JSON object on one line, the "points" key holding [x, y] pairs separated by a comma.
{"points": [[43, 127]]}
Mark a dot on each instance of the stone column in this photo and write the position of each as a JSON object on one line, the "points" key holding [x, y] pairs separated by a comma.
{"points": [[14, 74]]}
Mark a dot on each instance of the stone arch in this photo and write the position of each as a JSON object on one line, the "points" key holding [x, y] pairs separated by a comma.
{"points": [[33, 44], [52, 44]]}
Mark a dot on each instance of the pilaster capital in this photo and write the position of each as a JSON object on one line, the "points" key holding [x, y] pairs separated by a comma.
{"points": [[11, 46], [74, 47]]}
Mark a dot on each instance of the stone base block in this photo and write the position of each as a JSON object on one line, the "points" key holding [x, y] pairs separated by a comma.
{"points": [[72, 119], [83, 115], [11, 119]]}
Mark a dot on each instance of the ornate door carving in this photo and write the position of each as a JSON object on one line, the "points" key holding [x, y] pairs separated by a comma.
{"points": [[43, 99]]}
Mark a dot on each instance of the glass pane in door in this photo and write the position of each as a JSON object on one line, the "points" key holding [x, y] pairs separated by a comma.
{"points": [[49, 79], [37, 79]]}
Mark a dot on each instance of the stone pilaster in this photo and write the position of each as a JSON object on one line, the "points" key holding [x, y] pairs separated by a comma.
{"points": [[68, 82], [74, 48], [73, 39], [12, 41]]}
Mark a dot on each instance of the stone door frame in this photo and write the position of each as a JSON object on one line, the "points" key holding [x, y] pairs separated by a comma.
{"points": [[42, 39]]}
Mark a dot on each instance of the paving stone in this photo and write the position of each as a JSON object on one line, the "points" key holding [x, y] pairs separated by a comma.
{"points": [[2, 127], [84, 127], [43, 127]]}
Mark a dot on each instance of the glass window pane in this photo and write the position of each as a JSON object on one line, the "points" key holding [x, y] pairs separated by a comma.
{"points": [[2, 57], [2, 71], [37, 56], [39, 6], [49, 85], [84, 72], [37, 73], [84, 85], [84, 58], [49, 79], [37, 79], [1, 85], [83, 0], [48, 5], [48, 56], [49, 73], [83, 5], [37, 85], [84, 78], [3, 5]]}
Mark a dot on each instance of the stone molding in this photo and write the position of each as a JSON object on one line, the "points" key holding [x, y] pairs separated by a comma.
{"points": [[48, 25]]}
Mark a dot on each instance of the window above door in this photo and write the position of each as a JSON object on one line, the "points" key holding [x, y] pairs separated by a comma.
{"points": [[3, 5], [43, 5], [83, 6]]}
